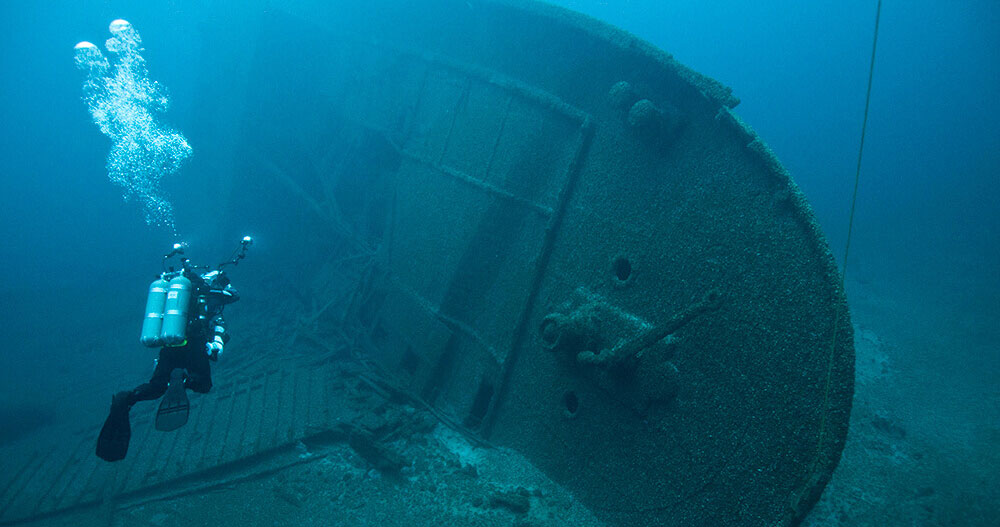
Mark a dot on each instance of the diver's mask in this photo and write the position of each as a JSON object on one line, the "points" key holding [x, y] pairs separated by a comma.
{"points": [[216, 279]]}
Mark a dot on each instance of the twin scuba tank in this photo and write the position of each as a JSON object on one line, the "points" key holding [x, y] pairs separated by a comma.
{"points": [[169, 301], [167, 308]]}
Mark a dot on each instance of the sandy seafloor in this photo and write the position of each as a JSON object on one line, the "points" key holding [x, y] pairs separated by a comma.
{"points": [[924, 443], [922, 451]]}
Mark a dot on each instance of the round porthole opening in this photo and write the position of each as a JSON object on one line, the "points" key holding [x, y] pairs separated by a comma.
{"points": [[621, 268], [572, 403]]}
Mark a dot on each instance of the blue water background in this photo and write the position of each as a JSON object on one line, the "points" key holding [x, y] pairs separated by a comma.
{"points": [[926, 229]]}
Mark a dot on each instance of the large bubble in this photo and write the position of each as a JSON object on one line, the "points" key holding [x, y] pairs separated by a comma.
{"points": [[124, 103]]}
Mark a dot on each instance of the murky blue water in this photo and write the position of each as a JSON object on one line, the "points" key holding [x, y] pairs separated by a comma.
{"points": [[927, 231]]}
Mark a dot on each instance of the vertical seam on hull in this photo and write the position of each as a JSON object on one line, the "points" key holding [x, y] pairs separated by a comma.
{"points": [[541, 264]]}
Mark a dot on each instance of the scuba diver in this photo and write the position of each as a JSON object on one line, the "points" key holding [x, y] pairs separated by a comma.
{"points": [[183, 319]]}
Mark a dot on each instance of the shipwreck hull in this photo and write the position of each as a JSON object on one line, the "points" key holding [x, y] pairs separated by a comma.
{"points": [[578, 250]]}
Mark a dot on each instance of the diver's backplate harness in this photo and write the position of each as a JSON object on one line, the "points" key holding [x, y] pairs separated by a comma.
{"points": [[178, 300]]}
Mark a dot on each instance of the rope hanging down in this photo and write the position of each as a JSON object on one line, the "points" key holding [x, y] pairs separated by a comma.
{"points": [[847, 245], [861, 147]]}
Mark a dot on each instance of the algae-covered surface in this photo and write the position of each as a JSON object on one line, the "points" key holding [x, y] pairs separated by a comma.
{"points": [[446, 481], [514, 266]]}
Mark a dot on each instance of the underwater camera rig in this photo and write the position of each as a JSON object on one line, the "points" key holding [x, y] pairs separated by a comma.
{"points": [[168, 302]]}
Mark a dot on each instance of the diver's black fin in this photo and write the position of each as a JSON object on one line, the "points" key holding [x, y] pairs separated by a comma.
{"points": [[173, 412], [112, 444]]}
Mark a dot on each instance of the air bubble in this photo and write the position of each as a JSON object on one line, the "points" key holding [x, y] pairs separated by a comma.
{"points": [[124, 104]]}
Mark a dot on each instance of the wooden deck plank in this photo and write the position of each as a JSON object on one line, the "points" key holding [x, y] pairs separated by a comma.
{"points": [[315, 417], [91, 487], [9, 507], [84, 463], [244, 418], [269, 412], [139, 445], [236, 424], [300, 408], [19, 465], [220, 427], [63, 461], [146, 464], [251, 431], [285, 406], [180, 460], [201, 453]]}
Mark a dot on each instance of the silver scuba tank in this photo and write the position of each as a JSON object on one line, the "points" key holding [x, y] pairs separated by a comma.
{"points": [[175, 314], [155, 305]]}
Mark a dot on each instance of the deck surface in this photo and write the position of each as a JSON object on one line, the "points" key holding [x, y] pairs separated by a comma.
{"points": [[247, 415]]}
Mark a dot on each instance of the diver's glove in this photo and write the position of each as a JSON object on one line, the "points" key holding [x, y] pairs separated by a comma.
{"points": [[214, 348]]}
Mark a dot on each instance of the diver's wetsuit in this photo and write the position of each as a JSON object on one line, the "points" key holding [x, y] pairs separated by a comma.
{"points": [[204, 325], [191, 357]]}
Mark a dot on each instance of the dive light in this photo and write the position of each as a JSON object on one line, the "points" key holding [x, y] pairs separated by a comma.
{"points": [[168, 302], [177, 249]]}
